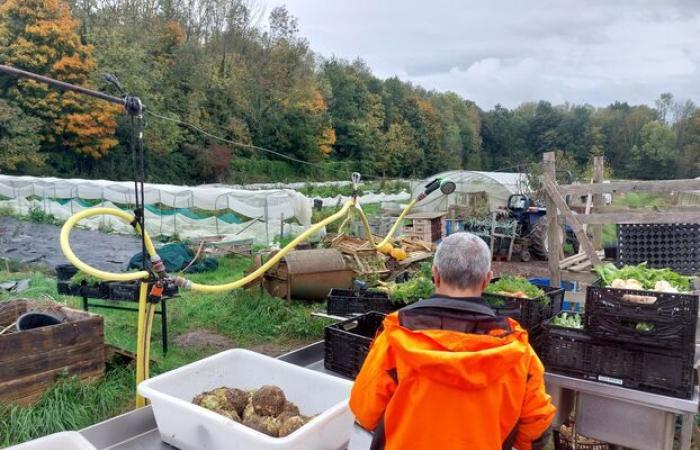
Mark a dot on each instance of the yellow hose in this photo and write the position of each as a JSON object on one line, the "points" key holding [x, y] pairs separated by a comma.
{"points": [[390, 236], [275, 259], [97, 273], [141, 359]]}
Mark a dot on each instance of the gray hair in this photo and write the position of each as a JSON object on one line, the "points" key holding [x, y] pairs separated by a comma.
{"points": [[462, 260]]}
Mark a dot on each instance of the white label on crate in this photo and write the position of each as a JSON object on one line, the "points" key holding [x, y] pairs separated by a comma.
{"points": [[609, 380]]}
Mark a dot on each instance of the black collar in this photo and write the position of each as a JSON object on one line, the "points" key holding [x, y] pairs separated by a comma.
{"points": [[474, 305]]}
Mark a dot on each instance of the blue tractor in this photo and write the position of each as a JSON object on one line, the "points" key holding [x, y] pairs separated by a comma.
{"points": [[532, 228]]}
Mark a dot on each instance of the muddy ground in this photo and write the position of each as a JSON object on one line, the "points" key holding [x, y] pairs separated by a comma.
{"points": [[37, 244]]}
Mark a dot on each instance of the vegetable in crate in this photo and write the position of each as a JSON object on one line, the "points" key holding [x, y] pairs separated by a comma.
{"points": [[266, 410], [641, 277], [414, 289], [568, 320], [517, 287]]}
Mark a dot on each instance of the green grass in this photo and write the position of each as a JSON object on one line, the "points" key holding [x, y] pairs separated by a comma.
{"points": [[636, 200], [248, 318]]}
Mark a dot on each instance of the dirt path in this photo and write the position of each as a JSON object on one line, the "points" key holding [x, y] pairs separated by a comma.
{"points": [[37, 244]]}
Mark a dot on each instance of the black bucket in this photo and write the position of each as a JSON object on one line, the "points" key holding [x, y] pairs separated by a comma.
{"points": [[30, 320]]}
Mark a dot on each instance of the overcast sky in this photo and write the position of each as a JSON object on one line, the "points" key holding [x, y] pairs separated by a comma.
{"points": [[511, 51]]}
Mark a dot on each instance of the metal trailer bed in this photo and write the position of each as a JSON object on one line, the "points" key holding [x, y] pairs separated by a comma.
{"points": [[627, 417]]}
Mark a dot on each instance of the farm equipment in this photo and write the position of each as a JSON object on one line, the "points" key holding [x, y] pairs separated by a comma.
{"points": [[532, 231]]}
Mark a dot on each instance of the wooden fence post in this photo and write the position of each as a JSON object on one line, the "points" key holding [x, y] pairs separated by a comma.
{"points": [[554, 242], [597, 230]]}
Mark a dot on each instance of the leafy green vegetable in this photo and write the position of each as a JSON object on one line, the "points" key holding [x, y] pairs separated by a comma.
{"points": [[512, 285], [568, 320], [412, 290], [644, 326], [645, 275]]}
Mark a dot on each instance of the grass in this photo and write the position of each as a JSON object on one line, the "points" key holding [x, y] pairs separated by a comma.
{"points": [[248, 318]]}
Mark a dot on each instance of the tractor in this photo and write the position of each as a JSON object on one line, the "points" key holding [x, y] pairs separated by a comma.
{"points": [[532, 228]]}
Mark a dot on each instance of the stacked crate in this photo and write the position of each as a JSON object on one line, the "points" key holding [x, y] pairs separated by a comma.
{"points": [[642, 340], [425, 226]]}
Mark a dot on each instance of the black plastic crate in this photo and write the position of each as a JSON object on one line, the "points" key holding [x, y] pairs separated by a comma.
{"points": [[346, 302], [530, 313], [564, 350], [65, 272], [98, 290], [611, 315], [562, 442], [347, 343], [676, 246], [64, 288], [643, 368]]}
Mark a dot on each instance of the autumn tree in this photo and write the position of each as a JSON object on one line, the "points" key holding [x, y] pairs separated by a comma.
{"points": [[41, 36]]}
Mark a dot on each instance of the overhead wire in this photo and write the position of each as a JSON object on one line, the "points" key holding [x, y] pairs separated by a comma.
{"points": [[256, 147]]}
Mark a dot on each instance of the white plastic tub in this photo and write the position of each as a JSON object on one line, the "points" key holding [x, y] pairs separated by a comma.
{"points": [[67, 440], [190, 427]]}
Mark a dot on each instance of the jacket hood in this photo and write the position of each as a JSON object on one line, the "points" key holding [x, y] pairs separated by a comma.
{"points": [[463, 360]]}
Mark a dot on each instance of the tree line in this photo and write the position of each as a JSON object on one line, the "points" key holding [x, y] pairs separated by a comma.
{"points": [[208, 65]]}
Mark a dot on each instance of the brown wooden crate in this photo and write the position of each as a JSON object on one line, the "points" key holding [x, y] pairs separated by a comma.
{"points": [[91, 349], [26, 390], [53, 338], [10, 311]]}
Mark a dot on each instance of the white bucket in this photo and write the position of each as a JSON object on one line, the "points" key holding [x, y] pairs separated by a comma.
{"points": [[190, 427]]}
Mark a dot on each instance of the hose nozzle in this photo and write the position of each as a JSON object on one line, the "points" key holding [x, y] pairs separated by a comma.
{"points": [[446, 187]]}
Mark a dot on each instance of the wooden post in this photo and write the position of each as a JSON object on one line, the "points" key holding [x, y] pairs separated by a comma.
{"points": [[597, 230], [553, 194], [553, 228]]}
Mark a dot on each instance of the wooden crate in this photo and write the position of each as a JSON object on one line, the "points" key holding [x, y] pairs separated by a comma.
{"points": [[32, 360]]}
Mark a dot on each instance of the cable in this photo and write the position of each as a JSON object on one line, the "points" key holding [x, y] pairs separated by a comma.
{"points": [[253, 147]]}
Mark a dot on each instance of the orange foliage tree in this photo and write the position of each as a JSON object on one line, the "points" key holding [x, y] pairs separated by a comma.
{"points": [[41, 36]]}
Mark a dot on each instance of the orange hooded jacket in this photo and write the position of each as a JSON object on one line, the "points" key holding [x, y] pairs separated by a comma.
{"points": [[429, 386]]}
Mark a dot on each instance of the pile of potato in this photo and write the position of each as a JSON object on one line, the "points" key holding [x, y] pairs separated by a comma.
{"points": [[266, 410]]}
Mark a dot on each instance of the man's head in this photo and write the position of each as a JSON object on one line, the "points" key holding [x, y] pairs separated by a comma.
{"points": [[462, 266]]}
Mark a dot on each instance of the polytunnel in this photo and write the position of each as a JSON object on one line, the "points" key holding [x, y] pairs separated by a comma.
{"points": [[495, 187]]}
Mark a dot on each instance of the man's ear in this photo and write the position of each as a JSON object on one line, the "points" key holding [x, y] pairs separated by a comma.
{"points": [[436, 277], [487, 280]]}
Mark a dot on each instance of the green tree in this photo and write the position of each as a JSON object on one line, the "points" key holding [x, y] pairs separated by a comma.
{"points": [[655, 157], [19, 148]]}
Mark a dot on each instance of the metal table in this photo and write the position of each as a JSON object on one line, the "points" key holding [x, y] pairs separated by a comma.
{"points": [[622, 416], [628, 413]]}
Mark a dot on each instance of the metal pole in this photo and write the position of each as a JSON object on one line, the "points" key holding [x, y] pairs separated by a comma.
{"points": [[19, 73], [267, 224]]}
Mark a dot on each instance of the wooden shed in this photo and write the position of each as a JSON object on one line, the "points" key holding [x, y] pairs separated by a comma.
{"points": [[426, 226], [32, 360]]}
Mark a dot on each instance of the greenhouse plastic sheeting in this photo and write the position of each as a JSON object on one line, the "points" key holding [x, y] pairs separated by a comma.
{"points": [[497, 185], [260, 203], [157, 224]]}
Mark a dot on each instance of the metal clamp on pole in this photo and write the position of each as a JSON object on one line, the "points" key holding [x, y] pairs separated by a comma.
{"points": [[355, 177]]}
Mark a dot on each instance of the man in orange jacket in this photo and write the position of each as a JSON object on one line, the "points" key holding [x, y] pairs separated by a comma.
{"points": [[447, 373]]}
